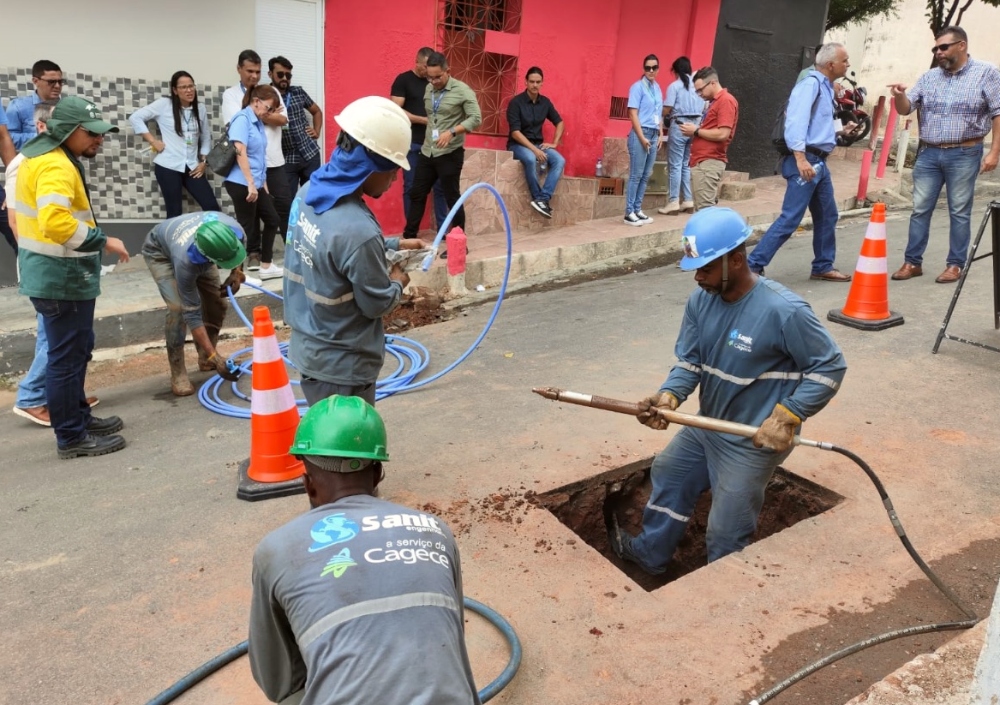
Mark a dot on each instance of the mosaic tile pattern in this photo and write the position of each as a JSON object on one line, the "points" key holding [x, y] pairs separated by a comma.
{"points": [[120, 177]]}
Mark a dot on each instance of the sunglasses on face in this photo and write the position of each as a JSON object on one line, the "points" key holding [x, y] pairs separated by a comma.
{"points": [[652, 67], [54, 81], [944, 47], [283, 74], [92, 135]]}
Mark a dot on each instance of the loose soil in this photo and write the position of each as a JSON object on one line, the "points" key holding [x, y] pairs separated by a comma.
{"points": [[586, 506]]}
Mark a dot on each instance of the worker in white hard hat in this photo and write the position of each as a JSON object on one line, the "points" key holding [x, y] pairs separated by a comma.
{"points": [[337, 284]]}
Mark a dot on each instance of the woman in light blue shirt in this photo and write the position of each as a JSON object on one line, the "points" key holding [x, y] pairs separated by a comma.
{"points": [[185, 139], [645, 110], [247, 180], [681, 106]]}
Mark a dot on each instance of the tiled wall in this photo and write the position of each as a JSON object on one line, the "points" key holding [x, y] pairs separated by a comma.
{"points": [[120, 177]]}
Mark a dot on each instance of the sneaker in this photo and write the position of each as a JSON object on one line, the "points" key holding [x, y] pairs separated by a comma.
{"points": [[253, 263], [631, 219], [548, 209], [540, 207], [672, 208], [92, 445], [253, 281], [104, 427], [35, 414], [687, 206], [643, 218], [272, 271], [93, 401]]}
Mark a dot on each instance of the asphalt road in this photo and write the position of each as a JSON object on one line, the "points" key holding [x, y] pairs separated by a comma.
{"points": [[119, 574]]}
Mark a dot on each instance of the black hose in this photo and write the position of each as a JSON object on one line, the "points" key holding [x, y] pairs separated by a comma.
{"points": [[971, 621]]}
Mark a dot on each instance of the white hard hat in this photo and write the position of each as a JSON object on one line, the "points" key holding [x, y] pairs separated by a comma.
{"points": [[380, 125]]}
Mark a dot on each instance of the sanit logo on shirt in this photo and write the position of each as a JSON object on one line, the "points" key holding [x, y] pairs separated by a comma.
{"points": [[743, 343]]}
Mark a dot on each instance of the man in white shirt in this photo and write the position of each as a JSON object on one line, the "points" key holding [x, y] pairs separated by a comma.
{"points": [[248, 68]]}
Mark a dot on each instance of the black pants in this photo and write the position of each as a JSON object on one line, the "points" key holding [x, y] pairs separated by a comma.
{"points": [[448, 169], [259, 242], [298, 174], [277, 185], [171, 182]]}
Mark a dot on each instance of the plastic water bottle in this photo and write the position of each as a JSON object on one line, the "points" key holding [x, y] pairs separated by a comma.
{"points": [[599, 172], [542, 168], [817, 167]]}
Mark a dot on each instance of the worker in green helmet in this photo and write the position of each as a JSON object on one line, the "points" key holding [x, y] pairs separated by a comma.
{"points": [[350, 596], [184, 255]]}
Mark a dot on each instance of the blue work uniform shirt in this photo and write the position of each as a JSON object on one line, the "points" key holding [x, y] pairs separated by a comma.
{"points": [[809, 117], [646, 97], [247, 129], [21, 119]]}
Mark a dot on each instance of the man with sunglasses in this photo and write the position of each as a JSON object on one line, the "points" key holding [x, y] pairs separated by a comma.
{"points": [[298, 139], [48, 80], [711, 138], [959, 102], [60, 261]]}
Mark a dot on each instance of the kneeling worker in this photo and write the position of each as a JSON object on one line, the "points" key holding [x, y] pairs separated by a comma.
{"points": [[351, 596], [183, 255], [762, 358]]}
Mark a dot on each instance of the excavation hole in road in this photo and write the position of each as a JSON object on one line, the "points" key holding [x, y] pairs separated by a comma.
{"points": [[583, 506]]}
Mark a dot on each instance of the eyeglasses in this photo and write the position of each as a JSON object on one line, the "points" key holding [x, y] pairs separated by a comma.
{"points": [[188, 87], [704, 86], [270, 108], [945, 47], [655, 67], [283, 74], [92, 135], [55, 81]]}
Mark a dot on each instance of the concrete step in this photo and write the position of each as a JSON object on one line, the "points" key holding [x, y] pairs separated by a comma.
{"points": [[737, 190]]}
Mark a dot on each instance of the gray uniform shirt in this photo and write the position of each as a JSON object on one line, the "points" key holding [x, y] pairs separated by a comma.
{"points": [[360, 602], [170, 241], [337, 289]]}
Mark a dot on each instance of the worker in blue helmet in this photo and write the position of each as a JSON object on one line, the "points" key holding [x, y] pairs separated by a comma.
{"points": [[760, 357]]}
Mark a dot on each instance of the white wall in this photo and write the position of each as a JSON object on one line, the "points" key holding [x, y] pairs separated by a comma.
{"points": [[137, 39]]}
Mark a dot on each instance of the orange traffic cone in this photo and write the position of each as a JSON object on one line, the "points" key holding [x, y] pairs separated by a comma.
{"points": [[270, 471], [867, 306]]}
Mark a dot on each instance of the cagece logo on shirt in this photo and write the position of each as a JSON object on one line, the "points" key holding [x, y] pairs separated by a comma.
{"points": [[329, 531], [407, 551], [743, 343]]}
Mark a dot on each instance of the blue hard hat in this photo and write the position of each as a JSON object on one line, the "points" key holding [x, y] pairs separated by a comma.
{"points": [[711, 233]]}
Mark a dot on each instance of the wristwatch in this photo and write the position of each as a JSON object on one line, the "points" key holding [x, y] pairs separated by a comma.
{"points": [[696, 131]]}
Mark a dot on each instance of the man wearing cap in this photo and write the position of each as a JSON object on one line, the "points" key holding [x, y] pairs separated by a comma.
{"points": [[184, 255], [337, 283], [760, 357], [359, 600], [60, 262]]}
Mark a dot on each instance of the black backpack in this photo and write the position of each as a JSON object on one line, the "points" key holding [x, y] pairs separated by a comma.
{"points": [[778, 131]]}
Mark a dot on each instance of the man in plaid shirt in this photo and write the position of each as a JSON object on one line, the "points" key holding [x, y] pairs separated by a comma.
{"points": [[958, 103], [298, 139]]}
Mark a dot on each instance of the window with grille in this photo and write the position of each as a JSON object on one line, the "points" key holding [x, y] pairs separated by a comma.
{"points": [[619, 108], [462, 36]]}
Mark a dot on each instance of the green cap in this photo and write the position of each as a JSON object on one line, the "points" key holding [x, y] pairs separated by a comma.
{"points": [[219, 243], [342, 427], [70, 113]]}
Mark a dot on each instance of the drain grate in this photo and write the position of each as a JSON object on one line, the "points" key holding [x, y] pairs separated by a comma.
{"points": [[584, 505]]}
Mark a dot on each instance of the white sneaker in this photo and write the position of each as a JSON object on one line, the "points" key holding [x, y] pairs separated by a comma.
{"points": [[271, 272], [631, 219], [643, 218], [253, 281], [672, 208], [688, 206]]}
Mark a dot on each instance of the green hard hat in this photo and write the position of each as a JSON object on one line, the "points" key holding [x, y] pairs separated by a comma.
{"points": [[341, 427], [220, 243]]}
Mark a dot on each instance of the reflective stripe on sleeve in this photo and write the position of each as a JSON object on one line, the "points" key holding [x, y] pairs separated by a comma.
{"points": [[78, 237], [831, 383], [688, 366], [50, 249], [57, 199]]}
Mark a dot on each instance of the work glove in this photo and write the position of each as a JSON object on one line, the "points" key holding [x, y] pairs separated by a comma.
{"points": [[778, 430], [222, 368], [660, 400], [233, 281]]}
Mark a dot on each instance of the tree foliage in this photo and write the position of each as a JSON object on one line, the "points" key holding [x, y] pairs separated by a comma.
{"points": [[847, 12], [942, 13]]}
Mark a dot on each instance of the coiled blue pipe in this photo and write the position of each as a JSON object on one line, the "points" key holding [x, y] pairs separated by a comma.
{"points": [[230, 655], [412, 358]]}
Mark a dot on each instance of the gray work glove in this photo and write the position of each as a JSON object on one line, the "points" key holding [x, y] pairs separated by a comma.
{"points": [[660, 400]]}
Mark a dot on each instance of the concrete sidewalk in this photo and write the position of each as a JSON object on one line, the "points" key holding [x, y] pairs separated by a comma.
{"points": [[130, 311]]}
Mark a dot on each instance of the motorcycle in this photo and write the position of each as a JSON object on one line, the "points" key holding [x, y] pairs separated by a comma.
{"points": [[849, 109]]}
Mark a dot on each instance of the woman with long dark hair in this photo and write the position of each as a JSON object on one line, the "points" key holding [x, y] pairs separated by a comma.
{"points": [[185, 139], [246, 182], [683, 105], [645, 111]]}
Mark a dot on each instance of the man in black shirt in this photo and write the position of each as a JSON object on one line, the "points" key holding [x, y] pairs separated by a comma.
{"points": [[408, 93], [525, 115]]}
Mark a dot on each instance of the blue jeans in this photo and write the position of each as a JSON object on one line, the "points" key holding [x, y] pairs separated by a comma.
{"points": [[817, 196], [956, 168], [69, 327], [695, 461], [678, 162], [640, 166], [440, 203], [554, 171], [31, 390]]}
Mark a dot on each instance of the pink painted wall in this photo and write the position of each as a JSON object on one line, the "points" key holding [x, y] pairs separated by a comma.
{"points": [[589, 50]]}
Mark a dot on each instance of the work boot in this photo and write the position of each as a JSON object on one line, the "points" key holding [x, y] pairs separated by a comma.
{"points": [[180, 385], [104, 427], [203, 364], [92, 445]]}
